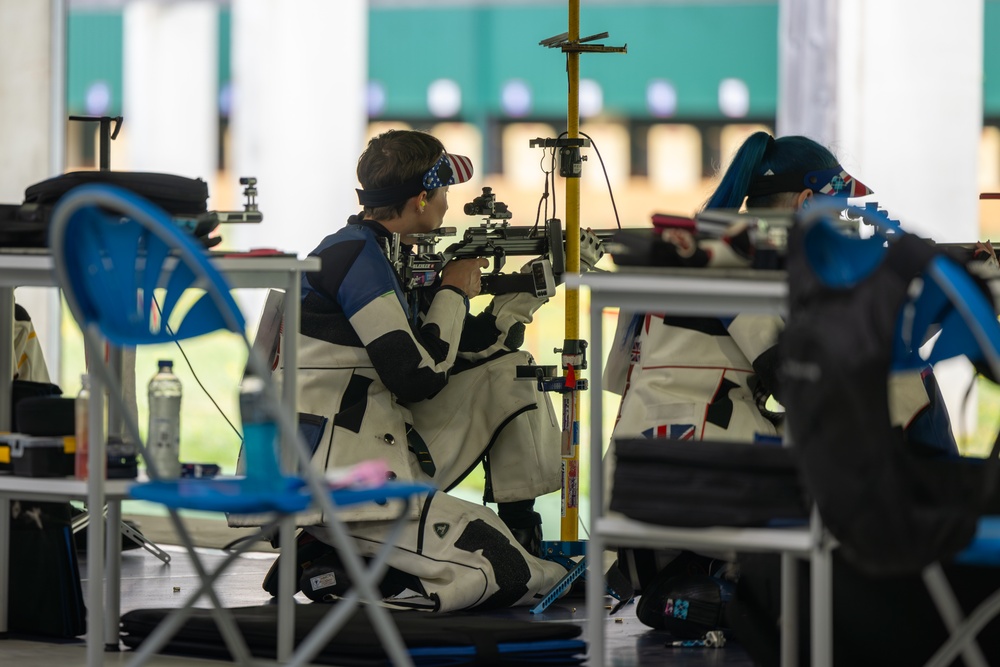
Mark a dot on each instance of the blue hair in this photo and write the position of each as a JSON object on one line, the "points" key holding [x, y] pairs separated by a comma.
{"points": [[760, 153]]}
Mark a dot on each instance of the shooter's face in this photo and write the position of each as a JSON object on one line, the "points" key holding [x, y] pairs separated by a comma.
{"points": [[433, 214]]}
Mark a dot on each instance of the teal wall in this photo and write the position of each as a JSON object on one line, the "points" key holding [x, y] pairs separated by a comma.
{"points": [[991, 59], [94, 54], [693, 45]]}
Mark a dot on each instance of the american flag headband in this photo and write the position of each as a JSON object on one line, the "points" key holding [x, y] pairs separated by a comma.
{"points": [[448, 170], [834, 182]]}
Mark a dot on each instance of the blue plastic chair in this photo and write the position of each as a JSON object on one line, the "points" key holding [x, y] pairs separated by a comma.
{"points": [[123, 266], [950, 307]]}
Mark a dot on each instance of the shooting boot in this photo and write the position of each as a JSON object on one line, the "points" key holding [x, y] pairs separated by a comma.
{"points": [[529, 537], [524, 523]]}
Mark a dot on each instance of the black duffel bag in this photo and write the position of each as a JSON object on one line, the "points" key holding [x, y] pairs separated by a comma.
{"points": [[705, 483], [177, 195], [26, 225]]}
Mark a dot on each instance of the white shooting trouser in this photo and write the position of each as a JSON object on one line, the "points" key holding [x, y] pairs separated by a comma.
{"points": [[462, 552]]}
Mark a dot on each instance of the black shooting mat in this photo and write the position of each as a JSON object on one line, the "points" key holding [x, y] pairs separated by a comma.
{"points": [[148, 584]]}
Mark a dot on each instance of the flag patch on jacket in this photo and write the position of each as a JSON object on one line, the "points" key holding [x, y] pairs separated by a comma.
{"points": [[671, 432]]}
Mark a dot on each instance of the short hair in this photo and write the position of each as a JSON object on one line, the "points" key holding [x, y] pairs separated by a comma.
{"points": [[761, 153], [394, 157]]}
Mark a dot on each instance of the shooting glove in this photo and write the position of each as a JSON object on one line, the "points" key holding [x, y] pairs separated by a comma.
{"points": [[591, 250], [733, 250]]}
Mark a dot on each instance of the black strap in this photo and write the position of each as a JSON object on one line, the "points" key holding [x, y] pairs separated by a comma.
{"points": [[394, 194], [419, 449], [772, 184]]}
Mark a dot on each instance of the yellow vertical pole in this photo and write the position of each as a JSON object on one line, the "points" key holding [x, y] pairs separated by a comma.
{"points": [[571, 399]]}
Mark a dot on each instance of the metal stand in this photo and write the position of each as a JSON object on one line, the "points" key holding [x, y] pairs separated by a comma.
{"points": [[81, 522], [561, 552], [574, 357]]}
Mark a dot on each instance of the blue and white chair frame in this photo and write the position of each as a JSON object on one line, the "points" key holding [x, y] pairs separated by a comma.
{"points": [[971, 325], [112, 250]]}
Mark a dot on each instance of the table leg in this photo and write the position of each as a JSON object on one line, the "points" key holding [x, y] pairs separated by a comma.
{"points": [[821, 591], [4, 560], [595, 588], [7, 354], [113, 567], [789, 610], [286, 583], [96, 462], [289, 464], [6, 371]]}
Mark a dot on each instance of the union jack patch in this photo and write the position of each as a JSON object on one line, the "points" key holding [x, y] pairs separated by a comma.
{"points": [[671, 432]]}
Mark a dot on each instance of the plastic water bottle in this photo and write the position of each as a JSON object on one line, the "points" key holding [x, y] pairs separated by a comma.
{"points": [[260, 436], [163, 440], [81, 424]]}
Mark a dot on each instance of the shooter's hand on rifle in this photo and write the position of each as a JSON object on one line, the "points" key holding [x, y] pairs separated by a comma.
{"points": [[985, 252], [465, 275], [591, 249]]}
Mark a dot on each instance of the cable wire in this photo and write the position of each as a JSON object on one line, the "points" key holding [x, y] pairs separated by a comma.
{"points": [[607, 179], [193, 373]]}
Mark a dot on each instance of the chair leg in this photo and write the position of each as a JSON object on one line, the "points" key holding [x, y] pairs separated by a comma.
{"points": [[173, 622], [365, 587], [237, 646], [951, 613]]}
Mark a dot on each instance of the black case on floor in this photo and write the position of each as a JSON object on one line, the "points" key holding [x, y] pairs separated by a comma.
{"points": [[687, 483], [46, 596]]}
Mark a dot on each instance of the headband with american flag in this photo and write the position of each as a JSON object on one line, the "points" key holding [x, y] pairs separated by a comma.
{"points": [[448, 170], [835, 182]]}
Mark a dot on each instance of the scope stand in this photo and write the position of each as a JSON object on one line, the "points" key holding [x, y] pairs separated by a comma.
{"points": [[564, 551], [573, 357]]}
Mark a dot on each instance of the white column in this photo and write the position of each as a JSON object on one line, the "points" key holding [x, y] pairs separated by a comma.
{"points": [[170, 81], [807, 69], [25, 68], [911, 109], [299, 116], [908, 122], [32, 129]]}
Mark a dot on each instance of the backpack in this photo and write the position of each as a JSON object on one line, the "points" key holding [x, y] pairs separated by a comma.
{"points": [[859, 308]]}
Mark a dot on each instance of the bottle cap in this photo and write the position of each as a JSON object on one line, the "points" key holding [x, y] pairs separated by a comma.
{"points": [[166, 362], [251, 384]]}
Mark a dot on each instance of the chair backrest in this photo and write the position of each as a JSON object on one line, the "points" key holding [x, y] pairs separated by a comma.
{"points": [[124, 265], [949, 311], [858, 310]]}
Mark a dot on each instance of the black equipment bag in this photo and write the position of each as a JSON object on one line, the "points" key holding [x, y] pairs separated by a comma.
{"points": [[684, 483], [26, 225], [877, 621], [892, 510], [46, 597], [28, 390], [176, 195], [431, 638]]}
